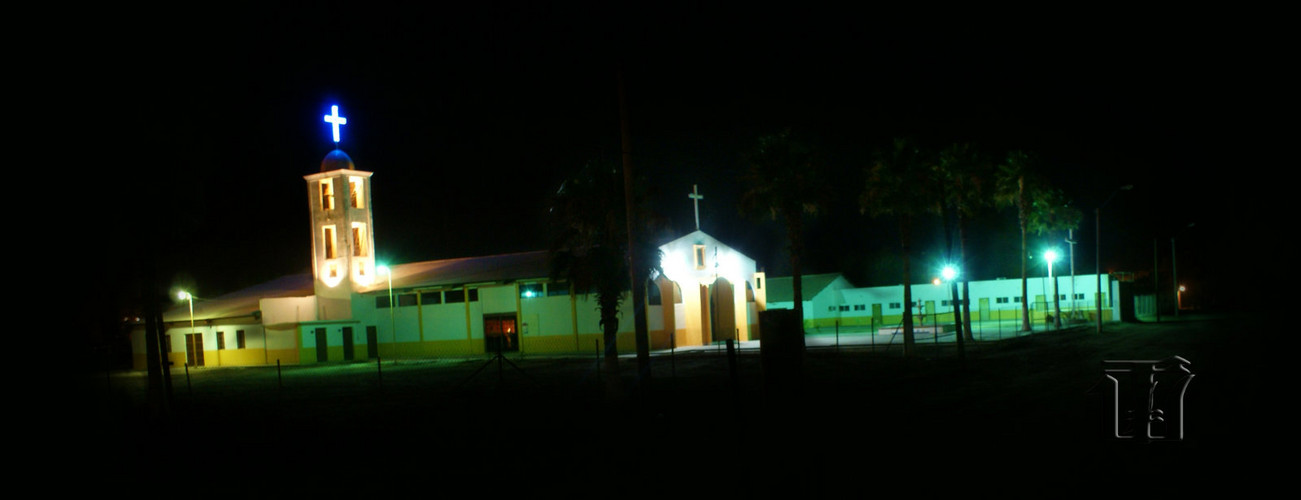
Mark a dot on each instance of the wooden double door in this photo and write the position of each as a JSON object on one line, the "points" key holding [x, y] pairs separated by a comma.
{"points": [[194, 349]]}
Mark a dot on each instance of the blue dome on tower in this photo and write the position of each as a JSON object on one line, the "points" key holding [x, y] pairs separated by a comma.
{"points": [[337, 160]]}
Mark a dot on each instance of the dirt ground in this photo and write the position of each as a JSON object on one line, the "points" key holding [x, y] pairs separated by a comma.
{"points": [[1020, 414]]}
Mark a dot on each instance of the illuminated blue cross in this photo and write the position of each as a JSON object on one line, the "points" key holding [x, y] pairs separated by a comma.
{"points": [[334, 119]]}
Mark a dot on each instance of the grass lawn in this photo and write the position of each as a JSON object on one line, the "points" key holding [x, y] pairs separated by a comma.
{"points": [[1023, 413]]}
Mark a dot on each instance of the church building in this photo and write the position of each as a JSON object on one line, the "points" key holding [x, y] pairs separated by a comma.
{"points": [[349, 308]]}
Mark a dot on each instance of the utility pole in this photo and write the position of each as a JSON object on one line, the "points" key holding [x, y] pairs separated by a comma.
{"points": [[1174, 276], [1070, 240], [1156, 278], [642, 337]]}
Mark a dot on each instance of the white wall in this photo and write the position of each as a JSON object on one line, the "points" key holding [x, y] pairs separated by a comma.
{"points": [[921, 293], [288, 310]]}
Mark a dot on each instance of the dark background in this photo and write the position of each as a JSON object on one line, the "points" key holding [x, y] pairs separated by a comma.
{"points": [[470, 117]]}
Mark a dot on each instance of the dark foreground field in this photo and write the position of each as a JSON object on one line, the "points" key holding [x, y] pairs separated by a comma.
{"points": [[1023, 415]]}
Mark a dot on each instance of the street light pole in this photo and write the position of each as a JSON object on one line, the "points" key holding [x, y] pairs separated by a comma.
{"points": [[393, 325], [1070, 239], [1097, 251], [1174, 269], [1051, 256], [187, 296], [1174, 275]]}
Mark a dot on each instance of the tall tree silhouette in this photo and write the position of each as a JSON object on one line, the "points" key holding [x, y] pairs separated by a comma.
{"points": [[591, 246], [898, 185], [1016, 183], [970, 177], [1052, 212], [784, 181]]}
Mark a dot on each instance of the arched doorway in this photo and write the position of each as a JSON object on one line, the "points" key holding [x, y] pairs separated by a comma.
{"points": [[722, 310]]}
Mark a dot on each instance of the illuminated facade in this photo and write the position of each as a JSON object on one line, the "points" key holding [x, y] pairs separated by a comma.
{"points": [[830, 300], [343, 260], [343, 310]]}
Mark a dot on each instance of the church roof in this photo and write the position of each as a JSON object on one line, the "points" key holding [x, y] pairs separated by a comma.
{"points": [[487, 269], [337, 160], [243, 302], [780, 290]]}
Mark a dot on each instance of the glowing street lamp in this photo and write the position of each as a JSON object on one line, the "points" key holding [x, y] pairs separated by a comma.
{"points": [[1179, 297], [393, 325], [1051, 256], [186, 296]]}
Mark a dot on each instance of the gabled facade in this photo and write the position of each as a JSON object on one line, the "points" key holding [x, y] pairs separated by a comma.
{"points": [[720, 290]]}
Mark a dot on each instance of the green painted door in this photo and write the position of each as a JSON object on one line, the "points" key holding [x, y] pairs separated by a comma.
{"points": [[347, 343], [372, 342], [322, 348]]}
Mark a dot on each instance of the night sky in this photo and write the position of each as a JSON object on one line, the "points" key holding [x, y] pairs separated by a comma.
{"points": [[469, 117]]}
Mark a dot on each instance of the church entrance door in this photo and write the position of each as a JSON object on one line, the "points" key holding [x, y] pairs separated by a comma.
{"points": [[722, 310], [194, 349]]}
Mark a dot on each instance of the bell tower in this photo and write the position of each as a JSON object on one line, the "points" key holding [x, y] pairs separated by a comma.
{"points": [[343, 242]]}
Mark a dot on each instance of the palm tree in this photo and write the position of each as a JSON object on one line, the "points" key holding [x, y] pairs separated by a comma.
{"points": [[784, 181], [1051, 211], [591, 245], [969, 176], [897, 185], [1015, 184]]}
